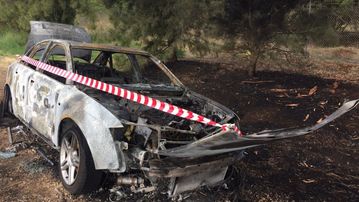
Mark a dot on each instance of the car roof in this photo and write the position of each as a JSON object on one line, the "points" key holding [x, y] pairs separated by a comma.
{"points": [[95, 46]]}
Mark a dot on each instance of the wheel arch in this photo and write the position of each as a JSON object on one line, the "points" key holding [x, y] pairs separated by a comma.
{"points": [[64, 124], [87, 178], [7, 89], [6, 95], [99, 140], [6, 86]]}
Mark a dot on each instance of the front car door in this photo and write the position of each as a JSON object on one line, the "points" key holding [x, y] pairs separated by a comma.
{"points": [[46, 88]]}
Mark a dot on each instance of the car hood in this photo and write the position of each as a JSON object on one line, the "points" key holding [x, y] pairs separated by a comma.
{"points": [[131, 111]]}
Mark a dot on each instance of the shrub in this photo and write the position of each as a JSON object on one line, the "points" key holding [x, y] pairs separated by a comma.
{"points": [[12, 43]]}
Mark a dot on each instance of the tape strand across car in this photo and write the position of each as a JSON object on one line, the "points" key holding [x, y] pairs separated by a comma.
{"points": [[98, 132]]}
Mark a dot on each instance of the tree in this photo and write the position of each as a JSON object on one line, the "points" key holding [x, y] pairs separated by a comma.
{"points": [[324, 21], [16, 14], [164, 26], [254, 24]]}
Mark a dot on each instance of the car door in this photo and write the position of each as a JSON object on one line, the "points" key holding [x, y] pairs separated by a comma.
{"points": [[44, 89], [21, 82]]}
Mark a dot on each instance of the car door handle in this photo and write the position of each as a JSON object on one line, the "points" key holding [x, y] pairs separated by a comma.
{"points": [[32, 81]]}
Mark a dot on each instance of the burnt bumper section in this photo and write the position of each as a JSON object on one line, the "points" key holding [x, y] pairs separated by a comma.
{"points": [[187, 174], [206, 161], [225, 142]]}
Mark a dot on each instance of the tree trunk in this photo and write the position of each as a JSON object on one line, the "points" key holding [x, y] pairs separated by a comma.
{"points": [[174, 55], [252, 69]]}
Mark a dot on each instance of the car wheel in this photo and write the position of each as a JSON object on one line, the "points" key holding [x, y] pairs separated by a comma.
{"points": [[2, 109], [7, 103], [77, 170]]}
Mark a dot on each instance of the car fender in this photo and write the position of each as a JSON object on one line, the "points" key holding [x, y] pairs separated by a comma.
{"points": [[94, 121]]}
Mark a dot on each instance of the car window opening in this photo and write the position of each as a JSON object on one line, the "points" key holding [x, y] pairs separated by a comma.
{"points": [[37, 53], [121, 68], [56, 58]]}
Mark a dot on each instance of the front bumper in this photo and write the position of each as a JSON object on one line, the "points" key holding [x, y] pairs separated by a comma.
{"points": [[185, 174]]}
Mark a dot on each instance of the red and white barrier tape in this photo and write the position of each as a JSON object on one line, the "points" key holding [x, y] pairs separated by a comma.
{"points": [[135, 97]]}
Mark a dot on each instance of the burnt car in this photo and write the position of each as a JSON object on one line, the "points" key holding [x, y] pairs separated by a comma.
{"points": [[97, 132]]}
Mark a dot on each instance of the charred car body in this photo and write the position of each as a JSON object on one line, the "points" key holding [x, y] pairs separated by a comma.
{"points": [[96, 132]]}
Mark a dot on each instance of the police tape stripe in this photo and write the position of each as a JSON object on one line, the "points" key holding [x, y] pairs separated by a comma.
{"points": [[136, 97]]}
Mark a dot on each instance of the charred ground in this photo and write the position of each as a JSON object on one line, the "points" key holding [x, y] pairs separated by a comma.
{"points": [[320, 166]]}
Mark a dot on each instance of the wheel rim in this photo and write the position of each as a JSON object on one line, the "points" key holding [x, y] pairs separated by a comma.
{"points": [[69, 158]]}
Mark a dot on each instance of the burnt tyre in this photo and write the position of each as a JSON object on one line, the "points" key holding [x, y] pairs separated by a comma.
{"points": [[77, 170], [7, 103], [1, 109]]}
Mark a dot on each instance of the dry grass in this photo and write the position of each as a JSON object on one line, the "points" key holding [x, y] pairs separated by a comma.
{"points": [[335, 55], [340, 63]]}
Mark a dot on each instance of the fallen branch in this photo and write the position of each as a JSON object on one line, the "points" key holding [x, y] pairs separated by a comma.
{"points": [[256, 82]]}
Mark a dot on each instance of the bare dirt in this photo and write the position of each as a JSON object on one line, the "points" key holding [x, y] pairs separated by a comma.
{"points": [[5, 61], [322, 166]]}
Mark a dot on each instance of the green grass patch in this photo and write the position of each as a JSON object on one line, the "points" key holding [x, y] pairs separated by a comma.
{"points": [[12, 43]]}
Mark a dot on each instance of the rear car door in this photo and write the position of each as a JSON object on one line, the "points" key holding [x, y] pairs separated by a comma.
{"points": [[45, 89], [22, 82]]}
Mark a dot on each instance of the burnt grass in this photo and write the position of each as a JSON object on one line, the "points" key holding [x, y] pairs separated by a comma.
{"points": [[322, 166]]}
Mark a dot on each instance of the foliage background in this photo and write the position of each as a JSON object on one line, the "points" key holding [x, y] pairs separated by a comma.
{"points": [[248, 30]]}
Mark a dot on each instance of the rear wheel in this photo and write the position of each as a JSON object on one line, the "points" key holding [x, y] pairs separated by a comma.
{"points": [[2, 113], [7, 102], [77, 170]]}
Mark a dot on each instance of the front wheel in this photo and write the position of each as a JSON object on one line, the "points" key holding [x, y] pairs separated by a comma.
{"points": [[77, 170]]}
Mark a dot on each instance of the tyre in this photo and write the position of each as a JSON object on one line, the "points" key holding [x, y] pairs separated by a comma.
{"points": [[7, 102], [1, 109], [76, 167]]}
